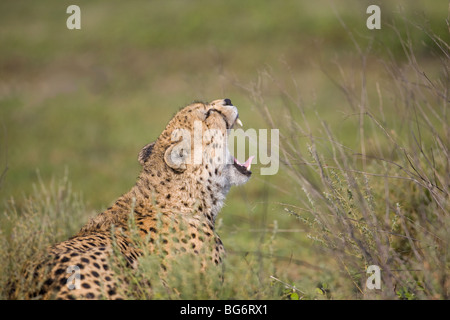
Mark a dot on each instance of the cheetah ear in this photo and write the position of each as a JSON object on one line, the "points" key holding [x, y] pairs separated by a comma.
{"points": [[145, 153], [175, 157]]}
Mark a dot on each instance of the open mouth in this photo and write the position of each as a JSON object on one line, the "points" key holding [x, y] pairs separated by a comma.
{"points": [[243, 168]]}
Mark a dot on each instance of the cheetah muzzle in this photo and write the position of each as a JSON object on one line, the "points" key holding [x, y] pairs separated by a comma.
{"points": [[185, 177]]}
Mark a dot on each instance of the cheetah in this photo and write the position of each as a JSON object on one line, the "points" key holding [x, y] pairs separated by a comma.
{"points": [[184, 180]]}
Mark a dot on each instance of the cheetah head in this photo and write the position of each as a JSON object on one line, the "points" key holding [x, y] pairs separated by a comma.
{"points": [[194, 145]]}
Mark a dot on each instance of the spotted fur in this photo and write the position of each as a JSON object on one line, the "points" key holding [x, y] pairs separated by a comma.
{"points": [[173, 203]]}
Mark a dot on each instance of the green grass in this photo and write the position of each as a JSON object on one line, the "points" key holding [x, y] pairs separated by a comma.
{"points": [[381, 196], [85, 102]]}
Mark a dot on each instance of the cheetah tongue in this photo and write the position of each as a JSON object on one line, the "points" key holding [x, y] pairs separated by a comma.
{"points": [[247, 164]]}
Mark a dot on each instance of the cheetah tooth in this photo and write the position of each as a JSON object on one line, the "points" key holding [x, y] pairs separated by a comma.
{"points": [[239, 122], [248, 163]]}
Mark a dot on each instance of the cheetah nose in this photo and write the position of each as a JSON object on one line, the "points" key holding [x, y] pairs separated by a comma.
{"points": [[227, 102]]}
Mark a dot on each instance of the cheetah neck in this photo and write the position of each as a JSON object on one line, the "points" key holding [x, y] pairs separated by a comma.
{"points": [[198, 200], [177, 194]]}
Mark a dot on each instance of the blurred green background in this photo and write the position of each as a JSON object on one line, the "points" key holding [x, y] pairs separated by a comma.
{"points": [[87, 100]]}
